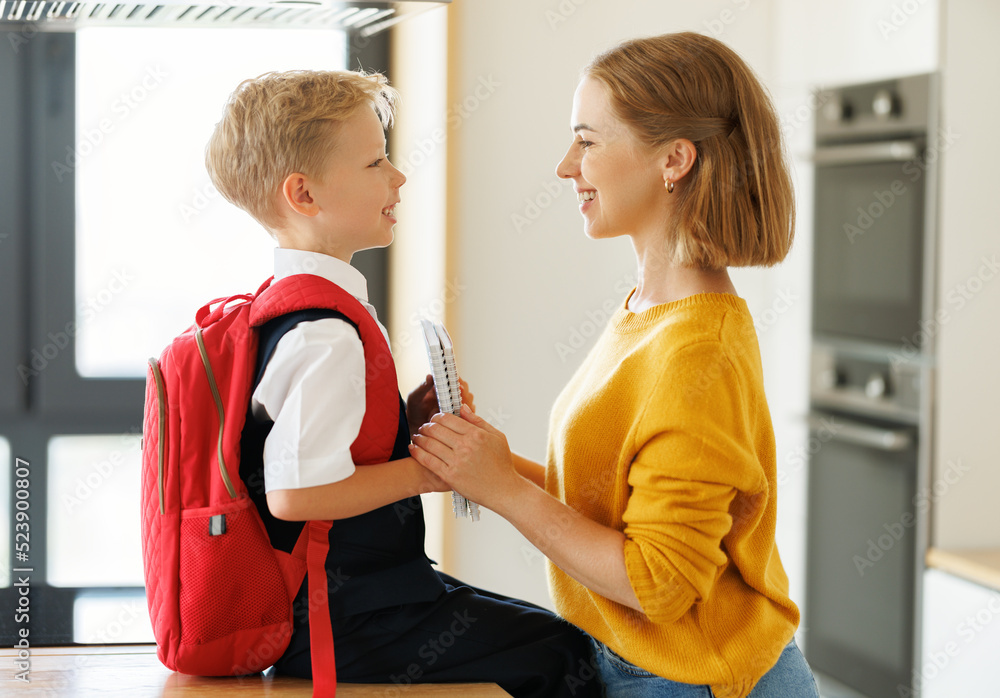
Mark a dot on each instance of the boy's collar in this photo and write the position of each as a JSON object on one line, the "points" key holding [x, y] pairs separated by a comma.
{"points": [[288, 262]]}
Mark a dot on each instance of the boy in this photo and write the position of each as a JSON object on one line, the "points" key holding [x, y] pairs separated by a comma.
{"points": [[304, 153]]}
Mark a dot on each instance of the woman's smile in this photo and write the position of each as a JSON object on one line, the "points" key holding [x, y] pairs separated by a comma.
{"points": [[586, 198]]}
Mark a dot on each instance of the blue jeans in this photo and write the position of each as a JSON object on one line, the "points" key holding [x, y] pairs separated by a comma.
{"points": [[791, 677]]}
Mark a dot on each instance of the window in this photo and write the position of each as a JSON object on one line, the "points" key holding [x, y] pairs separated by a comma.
{"points": [[155, 240], [111, 238], [93, 490], [103, 617]]}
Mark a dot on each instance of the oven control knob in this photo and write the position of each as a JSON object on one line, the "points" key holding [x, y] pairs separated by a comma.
{"points": [[877, 386], [832, 378], [885, 104], [837, 109]]}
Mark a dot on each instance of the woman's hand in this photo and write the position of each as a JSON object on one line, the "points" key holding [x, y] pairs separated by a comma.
{"points": [[422, 402], [470, 455], [474, 459]]}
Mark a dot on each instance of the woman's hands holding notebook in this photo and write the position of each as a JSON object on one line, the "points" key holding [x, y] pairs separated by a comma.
{"points": [[471, 455]]}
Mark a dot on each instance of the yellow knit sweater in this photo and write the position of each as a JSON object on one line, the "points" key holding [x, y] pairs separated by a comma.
{"points": [[664, 433]]}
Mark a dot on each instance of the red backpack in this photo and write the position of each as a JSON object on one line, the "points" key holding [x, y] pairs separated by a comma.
{"points": [[219, 595]]}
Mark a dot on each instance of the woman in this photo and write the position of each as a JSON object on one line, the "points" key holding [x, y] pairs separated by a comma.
{"points": [[657, 505]]}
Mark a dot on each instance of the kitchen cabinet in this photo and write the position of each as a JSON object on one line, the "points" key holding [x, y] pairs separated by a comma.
{"points": [[966, 472], [961, 634]]}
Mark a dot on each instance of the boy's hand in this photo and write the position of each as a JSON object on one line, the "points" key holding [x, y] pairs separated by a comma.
{"points": [[468, 399], [431, 482], [422, 403]]}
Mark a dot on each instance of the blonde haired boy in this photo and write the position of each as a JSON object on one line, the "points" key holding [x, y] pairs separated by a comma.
{"points": [[304, 153]]}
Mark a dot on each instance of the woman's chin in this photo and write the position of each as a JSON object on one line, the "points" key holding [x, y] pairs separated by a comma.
{"points": [[597, 232]]}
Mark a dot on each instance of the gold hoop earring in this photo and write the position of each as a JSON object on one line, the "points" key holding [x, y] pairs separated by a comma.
{"points": [[670, 187]]}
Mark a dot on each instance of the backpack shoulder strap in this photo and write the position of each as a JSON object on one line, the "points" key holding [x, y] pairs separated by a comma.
{"points": [[307, 291], [302, 292]]}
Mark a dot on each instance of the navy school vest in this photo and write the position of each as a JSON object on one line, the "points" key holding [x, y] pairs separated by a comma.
{"points": [[377, 559]]}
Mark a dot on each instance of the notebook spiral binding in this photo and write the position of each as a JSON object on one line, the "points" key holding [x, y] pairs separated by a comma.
{"points": [[441, 352]]}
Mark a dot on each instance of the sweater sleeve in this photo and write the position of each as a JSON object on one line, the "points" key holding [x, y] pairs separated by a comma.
{"points": [[693, 456]]}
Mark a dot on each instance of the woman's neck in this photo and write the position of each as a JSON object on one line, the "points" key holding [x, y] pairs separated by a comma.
{"points": [[659, 282]]}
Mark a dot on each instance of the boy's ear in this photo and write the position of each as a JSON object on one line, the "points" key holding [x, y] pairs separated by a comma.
{"points": [[295, 191]]}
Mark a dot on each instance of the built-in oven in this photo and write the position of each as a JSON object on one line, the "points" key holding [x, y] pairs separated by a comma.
{"points": [[864, 517], [869, 252], [863, 482], [870, 183], [871, 368]]}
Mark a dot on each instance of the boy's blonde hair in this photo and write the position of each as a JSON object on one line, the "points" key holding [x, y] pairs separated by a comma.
{"points": [[737, 207], [280, 123]]}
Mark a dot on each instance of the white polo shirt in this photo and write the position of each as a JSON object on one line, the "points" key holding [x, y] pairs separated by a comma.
{"points": [[313, 388]]}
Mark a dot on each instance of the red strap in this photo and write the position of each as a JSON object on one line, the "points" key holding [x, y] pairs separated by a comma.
{"points": [[263, 286], [324, 666], [206, 315], [302, 544]]}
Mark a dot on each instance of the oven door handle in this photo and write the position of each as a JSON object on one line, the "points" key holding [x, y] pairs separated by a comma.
{"points": [[863, 153], [861, 434]]}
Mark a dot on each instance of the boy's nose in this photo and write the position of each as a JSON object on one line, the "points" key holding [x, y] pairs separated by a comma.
{"points": [[399, 179]]}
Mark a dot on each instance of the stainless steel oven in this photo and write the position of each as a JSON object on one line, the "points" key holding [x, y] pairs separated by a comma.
{"points": [[865, 519], [870, 187], [871, 368], [862, 485]]}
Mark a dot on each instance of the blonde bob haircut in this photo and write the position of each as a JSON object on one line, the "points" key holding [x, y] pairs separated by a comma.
{"points": [[736, 206], [280, 123]]}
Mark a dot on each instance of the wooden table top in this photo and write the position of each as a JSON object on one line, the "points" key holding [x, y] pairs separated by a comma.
{"points": [[134, 671]]}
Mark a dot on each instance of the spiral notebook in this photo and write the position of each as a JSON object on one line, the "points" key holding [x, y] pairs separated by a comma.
{"points": [[441, 353]]}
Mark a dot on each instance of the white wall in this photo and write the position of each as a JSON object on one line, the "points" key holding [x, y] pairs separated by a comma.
{"points": [[531, 284], [536, 284]]}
